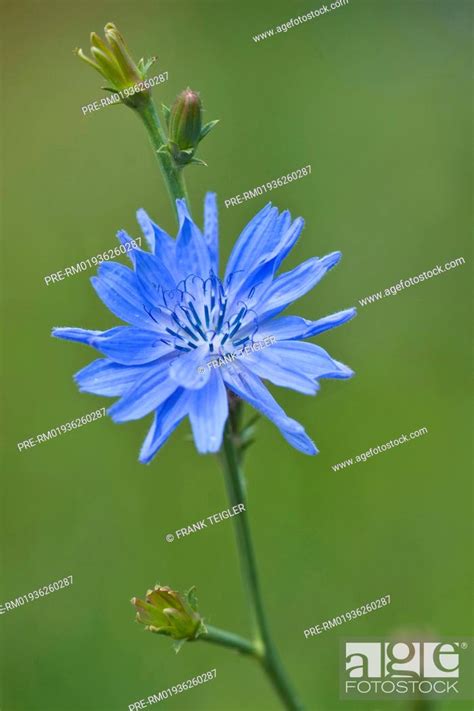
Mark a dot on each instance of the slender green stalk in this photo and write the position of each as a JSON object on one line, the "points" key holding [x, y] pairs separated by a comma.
{"points": [[267, 653], [228, 639], [172, 175]]}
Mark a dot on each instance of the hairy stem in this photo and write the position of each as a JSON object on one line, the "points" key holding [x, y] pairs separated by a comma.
{"points": [[263, 642]]}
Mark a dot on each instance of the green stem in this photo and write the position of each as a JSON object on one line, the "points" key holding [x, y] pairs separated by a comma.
{"points": [[172, 176], [263, 642], [228, 639]]}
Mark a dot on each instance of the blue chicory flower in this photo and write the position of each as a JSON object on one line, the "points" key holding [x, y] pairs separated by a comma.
{"points": [[184, 319]]}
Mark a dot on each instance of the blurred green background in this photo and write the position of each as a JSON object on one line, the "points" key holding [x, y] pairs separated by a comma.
{"points": [[376, 97]]}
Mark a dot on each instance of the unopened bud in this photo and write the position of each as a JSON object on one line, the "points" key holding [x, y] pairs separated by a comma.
{"points": [[185, 127], [112, 59], [186, 120], [171, 613]]}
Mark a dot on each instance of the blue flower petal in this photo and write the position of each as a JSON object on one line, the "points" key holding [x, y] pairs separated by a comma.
{"points": [[161, 244], [304, 360], [251, 289], [244, 249], [81, 335], [208, 413], [282, 226], [153, 277], [289, 327], [250, 285], [283, 328], [145, 395], [294, 284], [342, 373], [146, 226], [125, 239], [104, 377], [192, 253], [324, 324], [131, 346], [167, 417], [117, 287], [288, 240], [211, 229], [190, 370], [250, 388], [281, 373], [257, 246], [183, 212], [300, 440]]}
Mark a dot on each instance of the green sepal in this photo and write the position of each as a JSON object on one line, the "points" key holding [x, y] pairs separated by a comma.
{"points": [[145, 64], [191, 598], [178, 644], [207, 127], [246, 436], [249, 429], [180, 157], [197, 161]]}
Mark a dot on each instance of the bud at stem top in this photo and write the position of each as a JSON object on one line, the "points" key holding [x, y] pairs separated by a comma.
{"points": [[171, 613], [112, 59]]}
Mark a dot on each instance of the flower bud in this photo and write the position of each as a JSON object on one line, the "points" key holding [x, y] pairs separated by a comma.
{"points": [[167, 612], [112, 59], [185, 127], [185, 121], [121, 54]]}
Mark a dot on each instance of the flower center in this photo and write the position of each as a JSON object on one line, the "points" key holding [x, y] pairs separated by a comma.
{"points": [[197, 314]]}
